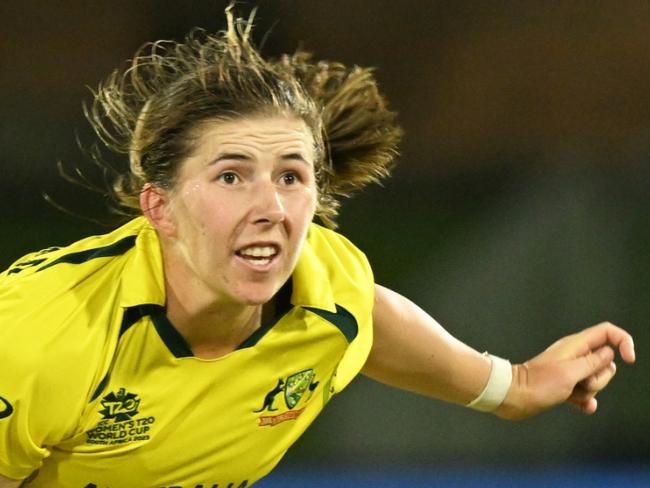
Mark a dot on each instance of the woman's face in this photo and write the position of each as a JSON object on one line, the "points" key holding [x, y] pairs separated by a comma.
{"points": [[241, 207]]}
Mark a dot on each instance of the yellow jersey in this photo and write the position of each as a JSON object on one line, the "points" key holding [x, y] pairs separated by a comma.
{"points": [[99, 390]]}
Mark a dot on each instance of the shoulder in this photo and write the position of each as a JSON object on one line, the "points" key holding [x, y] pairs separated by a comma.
{"points": [[64, 277], [327, 238], [58, 307], [332, 270], [83, 251], [61, 315], [59, 295], [335, 277], [333, 249], [65, 296]]}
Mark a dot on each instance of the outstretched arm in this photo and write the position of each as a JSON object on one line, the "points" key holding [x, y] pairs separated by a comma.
{"points": [[413, 352]]}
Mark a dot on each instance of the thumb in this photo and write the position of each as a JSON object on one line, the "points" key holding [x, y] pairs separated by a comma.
{"points": [[585, 366]]}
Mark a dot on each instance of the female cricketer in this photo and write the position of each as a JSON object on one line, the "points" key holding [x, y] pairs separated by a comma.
{"points": [[193, 345]]}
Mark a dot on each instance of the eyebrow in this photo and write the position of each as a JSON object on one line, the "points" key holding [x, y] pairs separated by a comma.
{"points": [[295, 157], [242, 157], [235, 156]]}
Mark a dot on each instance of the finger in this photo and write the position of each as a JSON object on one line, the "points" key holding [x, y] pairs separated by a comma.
{"points": [[599, 380], [581, 368], [626, 349], [583, 395], [608, 333], [588, 405], [583, 400]]}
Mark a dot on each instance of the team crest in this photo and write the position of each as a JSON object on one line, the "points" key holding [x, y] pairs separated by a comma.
{"points": [[297, 388]]}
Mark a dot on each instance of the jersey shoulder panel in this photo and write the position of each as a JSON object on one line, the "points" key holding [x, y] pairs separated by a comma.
{"points": [[335, 277], [86, 250]]}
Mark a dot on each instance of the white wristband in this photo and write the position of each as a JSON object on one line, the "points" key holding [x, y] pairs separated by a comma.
{"points": [[497, 386]]}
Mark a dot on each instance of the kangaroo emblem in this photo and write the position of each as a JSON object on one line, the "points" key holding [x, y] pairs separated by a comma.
{"points": [[270, 397], [312, 386]]}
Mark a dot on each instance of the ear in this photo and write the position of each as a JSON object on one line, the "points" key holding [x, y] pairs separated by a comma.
{"points": [[155, 206]]}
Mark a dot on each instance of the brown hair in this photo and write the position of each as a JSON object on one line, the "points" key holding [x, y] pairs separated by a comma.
{"points": [[150, 110]]}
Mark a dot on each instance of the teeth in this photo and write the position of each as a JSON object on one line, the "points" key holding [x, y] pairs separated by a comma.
{"points": [[259, 252]]}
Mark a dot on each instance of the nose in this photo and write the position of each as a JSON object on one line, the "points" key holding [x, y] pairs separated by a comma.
{"points": [[268, 207]]}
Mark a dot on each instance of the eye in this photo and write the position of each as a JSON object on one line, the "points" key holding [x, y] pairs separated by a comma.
{"points": [[229, 178], [289, 178]]}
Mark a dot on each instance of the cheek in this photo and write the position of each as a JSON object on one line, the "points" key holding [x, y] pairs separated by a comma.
{"points": [[203, 205], [305, 206], [311, 197], [194, 216]]}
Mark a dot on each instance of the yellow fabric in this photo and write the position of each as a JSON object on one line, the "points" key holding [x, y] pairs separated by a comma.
{"points": [[94, 406]]}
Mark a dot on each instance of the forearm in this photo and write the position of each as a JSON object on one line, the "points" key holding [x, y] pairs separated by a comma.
{"points": [[413, 352]]}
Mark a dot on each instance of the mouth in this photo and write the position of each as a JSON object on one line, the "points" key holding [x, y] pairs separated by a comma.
{"points": [[258, 256]]}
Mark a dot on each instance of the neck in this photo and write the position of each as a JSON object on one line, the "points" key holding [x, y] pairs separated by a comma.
{"points": [[212, 329], [211, 326]]}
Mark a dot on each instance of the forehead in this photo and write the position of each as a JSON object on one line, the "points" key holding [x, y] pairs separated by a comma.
{"points": [[261, 132]]}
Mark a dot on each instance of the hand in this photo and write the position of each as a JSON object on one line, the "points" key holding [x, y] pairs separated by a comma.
{"points": [[573, 369]]}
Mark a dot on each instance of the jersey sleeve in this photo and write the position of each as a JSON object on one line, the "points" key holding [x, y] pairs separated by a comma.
{"points": [[358, 350], [42, 379], [21, 431], [353, 280]]}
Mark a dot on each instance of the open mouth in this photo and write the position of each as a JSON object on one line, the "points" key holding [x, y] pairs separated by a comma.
{"points": [[258, 255]]}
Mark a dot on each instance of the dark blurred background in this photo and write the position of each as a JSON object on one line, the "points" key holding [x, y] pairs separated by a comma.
{"points": [[518, 212]]}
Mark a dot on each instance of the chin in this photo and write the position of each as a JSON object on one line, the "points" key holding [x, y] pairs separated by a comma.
{"points": [[253, 301], [258, 296]]}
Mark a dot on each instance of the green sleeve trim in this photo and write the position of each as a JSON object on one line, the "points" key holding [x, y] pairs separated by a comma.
{"points": [[115, 249], [342, 319]]}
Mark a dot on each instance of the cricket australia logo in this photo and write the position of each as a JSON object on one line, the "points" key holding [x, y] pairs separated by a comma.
{"points": [[120, 406], [297, 389]]}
